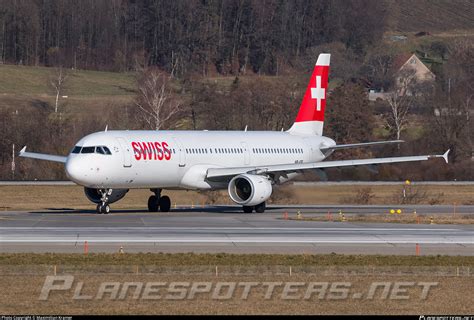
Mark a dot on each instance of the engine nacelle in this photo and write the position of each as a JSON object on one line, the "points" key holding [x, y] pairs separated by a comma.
{"points": [[249, 189], [94, 195]]}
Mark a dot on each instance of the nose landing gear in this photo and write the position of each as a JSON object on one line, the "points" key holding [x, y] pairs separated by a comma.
{"points": [[103, 206], [158, 202]]}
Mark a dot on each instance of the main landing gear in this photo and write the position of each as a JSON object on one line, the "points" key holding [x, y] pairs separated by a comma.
{"points": [[259, 208], [103, 206], [158, 202]]}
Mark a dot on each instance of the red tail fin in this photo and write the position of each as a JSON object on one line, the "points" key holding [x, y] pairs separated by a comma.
{"points": [[310, 118]]}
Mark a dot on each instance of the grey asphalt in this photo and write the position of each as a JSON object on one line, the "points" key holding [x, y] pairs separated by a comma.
{"points": [[226, 229], [296, 183]]}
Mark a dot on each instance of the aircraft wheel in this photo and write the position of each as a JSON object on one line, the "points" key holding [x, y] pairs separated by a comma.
{"points": [[248, 209], [103, 208], [260, 208], [165, 204], [153, 204]]}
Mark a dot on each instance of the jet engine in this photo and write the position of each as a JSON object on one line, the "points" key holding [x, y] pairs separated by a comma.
{"points": [[95, 196], [249, 189]]}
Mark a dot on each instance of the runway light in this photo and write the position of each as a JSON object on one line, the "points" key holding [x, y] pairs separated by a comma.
{"points": [[329, 216]]}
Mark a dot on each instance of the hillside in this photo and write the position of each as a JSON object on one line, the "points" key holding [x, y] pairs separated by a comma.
{"points": [[432, 16], [23, 87]]}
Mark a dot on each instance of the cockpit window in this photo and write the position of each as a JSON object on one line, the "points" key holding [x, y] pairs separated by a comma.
{"points": [[99, 149], [88, 150], [76, 149]]}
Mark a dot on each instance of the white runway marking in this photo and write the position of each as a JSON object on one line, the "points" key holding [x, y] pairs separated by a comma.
{"points": [[197, 241], [348, 228]]}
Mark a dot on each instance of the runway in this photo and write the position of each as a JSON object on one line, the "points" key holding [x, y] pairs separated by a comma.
{"points": [[225, 229]]}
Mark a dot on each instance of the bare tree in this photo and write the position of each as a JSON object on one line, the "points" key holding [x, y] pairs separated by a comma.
{"points": [[400, 100], [155, 100], [58, 81]]}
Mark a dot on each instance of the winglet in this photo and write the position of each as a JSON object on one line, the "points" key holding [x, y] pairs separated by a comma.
{"points": [[23, 150], [445, 155]]}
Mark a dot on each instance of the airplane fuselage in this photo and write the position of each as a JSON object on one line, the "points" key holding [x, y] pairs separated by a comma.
{"points": [[180, 159]]}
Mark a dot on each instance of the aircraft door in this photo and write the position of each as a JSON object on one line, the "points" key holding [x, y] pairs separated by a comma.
{"points": [[246, 153], [126, 152], [181, 154], [311, 148]]}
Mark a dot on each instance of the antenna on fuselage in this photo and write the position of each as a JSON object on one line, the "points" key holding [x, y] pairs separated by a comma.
{"points": [[245, 130], [106, 127]]}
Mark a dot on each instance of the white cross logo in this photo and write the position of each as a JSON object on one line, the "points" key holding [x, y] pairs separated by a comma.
{"points": [[318, 93]]}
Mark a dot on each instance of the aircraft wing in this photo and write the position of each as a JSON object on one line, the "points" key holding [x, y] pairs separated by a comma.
{"points": [[42, 156], [297, 167], [358, 145]]}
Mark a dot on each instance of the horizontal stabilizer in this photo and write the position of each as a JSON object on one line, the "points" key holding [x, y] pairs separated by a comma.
{"points": [[359, 145], [42, 156]]}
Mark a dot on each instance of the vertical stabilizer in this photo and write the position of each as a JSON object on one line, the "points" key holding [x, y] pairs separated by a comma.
{"points": [[310, 118]]}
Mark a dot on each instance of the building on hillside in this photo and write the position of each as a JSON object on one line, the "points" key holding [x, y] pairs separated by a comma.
{"points": [[408, 70]]}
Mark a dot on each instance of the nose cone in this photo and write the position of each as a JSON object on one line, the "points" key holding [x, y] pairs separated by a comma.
{"points": [[74, 170]]}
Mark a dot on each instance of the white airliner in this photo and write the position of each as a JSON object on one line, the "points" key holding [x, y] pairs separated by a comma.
{"points": [[246, 163]]}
